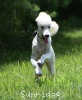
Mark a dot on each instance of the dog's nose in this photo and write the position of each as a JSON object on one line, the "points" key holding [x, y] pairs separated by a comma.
{"points": [[47, 36]]}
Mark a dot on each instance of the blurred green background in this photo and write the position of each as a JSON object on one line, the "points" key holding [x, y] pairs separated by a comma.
{"points": [[17, 19]]}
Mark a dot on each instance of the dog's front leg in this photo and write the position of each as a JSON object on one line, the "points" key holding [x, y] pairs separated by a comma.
{"points": [[34, 62], [44, 57], [36, 66]]}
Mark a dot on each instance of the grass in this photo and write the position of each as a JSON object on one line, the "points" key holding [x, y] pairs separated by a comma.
{"points": [[17, 74]]}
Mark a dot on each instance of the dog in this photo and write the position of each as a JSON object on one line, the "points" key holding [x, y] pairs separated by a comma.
{"points": [[42, 51]]}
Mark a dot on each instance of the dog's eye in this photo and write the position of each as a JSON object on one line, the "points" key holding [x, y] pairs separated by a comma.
{"points": [[48, 26], [42, 27]]}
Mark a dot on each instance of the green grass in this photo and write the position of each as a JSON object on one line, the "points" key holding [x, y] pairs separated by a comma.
{"points": [[17, 74]]}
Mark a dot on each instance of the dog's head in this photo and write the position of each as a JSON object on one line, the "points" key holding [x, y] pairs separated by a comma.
{"points": [[46, 27]]}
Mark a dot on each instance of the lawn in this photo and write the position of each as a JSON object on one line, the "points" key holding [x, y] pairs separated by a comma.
{"points": [[17, 74]]}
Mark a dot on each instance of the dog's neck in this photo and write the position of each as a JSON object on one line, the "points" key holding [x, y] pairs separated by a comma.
{"points": [[39, 38]]}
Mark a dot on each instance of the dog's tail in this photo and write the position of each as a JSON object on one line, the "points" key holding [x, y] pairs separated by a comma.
{"points": [[54, 28]]}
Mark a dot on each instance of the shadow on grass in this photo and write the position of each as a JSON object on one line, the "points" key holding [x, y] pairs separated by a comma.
{"points": [[63, 44], [10, 56]]}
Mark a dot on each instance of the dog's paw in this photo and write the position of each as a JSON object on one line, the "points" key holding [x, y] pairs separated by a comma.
{"points": [[40, 62], [38, 71]]}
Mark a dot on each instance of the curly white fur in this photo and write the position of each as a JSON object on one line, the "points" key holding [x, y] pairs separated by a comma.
{"points": [[42, 51], [44, 19]]}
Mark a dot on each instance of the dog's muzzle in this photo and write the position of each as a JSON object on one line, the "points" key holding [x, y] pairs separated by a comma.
{"points": [[45, 38]]}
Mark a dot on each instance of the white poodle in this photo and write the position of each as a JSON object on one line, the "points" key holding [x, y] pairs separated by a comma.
{"points": [[42, 50]]}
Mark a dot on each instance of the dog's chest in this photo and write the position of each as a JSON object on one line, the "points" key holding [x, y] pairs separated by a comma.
{"points": [[42, 48]]}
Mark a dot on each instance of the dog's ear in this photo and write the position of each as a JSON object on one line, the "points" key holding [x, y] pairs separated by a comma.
{"points": [[54, 28]]}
